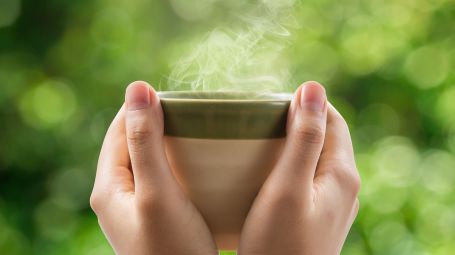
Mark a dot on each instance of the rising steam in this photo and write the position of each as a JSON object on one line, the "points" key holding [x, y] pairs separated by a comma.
{"points": [[245, 57]]}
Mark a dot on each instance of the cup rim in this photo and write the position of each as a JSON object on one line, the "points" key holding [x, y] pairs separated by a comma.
{"points": [[225, 114], [224, 96]]}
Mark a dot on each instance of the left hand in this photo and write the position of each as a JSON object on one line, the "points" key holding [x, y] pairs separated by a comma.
{"points": [[140, 206]]}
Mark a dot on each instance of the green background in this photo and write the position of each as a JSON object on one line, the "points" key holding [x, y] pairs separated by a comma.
{"points": [[387, 65]]}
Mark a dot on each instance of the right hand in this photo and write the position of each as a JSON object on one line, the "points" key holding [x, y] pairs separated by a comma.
{"points": [[309, 201]]}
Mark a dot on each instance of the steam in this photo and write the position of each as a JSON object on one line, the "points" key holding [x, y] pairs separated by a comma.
{"points": [[245, 57]]}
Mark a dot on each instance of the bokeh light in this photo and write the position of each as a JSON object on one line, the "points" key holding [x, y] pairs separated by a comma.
{"points": [[438, 173], [48, 104], [71, 188], [9, 12], [53, 221], [435, 224], [320, 64], [366, 45], [387, 236], [397, 160], [112, 28], [445, 107], [451, 140], [427, 67], [193, 10]]}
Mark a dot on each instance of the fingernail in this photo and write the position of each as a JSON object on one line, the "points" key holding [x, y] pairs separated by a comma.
{"points": [[137, 97], [313, 97]]}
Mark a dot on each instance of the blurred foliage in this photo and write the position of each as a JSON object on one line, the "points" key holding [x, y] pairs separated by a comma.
{"points": [[388, 66]]}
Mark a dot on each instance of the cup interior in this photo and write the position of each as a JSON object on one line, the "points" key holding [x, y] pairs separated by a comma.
{"points": [[223, 96], [225, 115]]}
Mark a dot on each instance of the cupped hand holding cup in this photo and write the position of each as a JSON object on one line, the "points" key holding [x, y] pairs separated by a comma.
{"points": [[194, 173]]}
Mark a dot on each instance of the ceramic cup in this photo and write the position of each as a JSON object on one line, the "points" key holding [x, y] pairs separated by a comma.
{"points": [[221, 147]]}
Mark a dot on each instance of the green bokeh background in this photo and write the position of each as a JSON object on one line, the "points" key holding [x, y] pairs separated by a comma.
{"points": [[388, 66]]}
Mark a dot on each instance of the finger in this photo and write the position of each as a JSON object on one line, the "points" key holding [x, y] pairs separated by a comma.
{"points": [[144, 131], [113, 174], [305, 136], [114, 151], [337, 158], [338, 144], [355, 211]]}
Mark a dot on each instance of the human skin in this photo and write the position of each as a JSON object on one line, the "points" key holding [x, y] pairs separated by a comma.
{"points": [[306, 206], [309, 201], [140, 207]]}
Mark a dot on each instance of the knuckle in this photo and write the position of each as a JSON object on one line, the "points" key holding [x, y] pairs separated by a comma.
{"points": [[356, 183], [148, 204], [96, 202], [356, 206], [138, 137], [138, 132], [331, 214], [312, 134], [286, 199], [355, 209], [349, 177]]}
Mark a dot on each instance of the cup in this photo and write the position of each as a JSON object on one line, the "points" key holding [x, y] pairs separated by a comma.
{"points": [[221, 147]]}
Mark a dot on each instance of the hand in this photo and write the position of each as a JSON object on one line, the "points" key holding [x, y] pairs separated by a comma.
{"points": [[309, 201], [140, 206]]}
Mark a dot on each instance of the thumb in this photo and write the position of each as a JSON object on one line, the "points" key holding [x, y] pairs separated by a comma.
{"points": [[144, 132], [305, 139]]}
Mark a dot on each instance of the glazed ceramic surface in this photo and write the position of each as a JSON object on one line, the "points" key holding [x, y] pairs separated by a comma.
{"points": [[221, 147]]}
